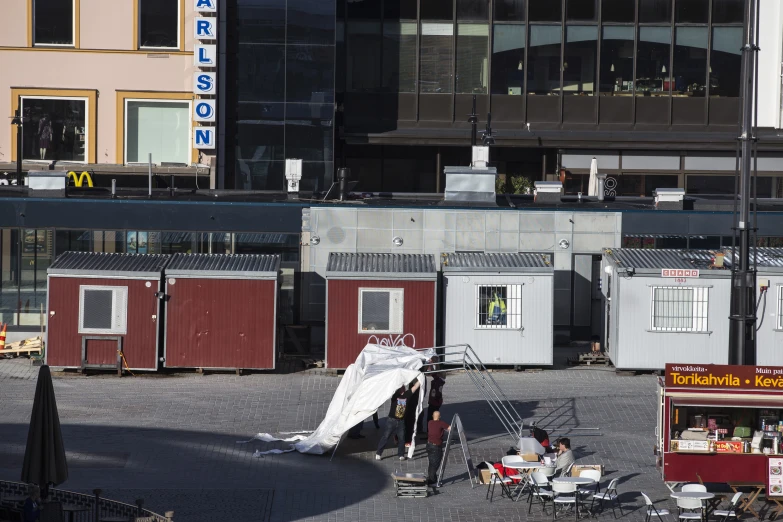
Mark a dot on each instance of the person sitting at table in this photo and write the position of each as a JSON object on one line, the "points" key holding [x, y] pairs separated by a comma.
{"points": [[565, 457], [32, 505]]}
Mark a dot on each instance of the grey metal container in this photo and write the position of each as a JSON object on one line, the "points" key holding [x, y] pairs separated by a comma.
{"points": [[526, 284]]}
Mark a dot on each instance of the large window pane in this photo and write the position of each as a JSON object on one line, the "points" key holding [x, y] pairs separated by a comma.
{"points": [[472, 10], [437, 10], [160, 128], [508, 59], [399, 10], [364, 9], [308, 131], [53, 22], [159, 23], [728, 11], [364, 56], [54, 129], [36, 257], [579, 59], [655, 11], [261, 23], [310, 22], [617, 60], [510, 10], [690, 61], [399, 57], [545, 11], [725, 61], [692, 11], [260, 132], [543, 71], [310, 73], [472, 41], [618, 10], [262, 74], [436, 42], [652, 61], [581, 10]]}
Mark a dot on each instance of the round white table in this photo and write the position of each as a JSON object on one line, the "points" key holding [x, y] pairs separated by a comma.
{"points": [[701, 495], [579, 481], [522, 466]]}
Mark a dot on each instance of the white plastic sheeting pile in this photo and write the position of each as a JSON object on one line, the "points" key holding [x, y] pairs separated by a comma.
{"points": [[367, 384]]}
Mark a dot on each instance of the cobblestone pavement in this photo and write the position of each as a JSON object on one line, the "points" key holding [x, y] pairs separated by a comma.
{"points": [[172, 441]]}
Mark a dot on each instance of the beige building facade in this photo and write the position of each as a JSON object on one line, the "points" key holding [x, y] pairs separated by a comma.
{"points": [[100, 85]]}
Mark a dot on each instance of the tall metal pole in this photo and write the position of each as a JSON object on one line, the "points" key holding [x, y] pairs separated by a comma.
{"points": [[742, 349], [473, 120]]}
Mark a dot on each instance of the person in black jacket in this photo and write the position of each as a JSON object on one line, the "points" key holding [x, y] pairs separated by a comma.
{"points": [[32, 505]]}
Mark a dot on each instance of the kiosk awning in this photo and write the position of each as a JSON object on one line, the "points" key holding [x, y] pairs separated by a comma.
{"points": [[756, 402]]}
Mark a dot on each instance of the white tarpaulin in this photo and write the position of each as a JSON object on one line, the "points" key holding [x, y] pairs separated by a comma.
{"points": [[366, 385]]}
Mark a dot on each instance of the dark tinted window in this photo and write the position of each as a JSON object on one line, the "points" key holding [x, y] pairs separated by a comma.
{"points": [[728, 11], [364, 9], [617, 59], [543, 68], [655, 11], [579, 59], [310, 22], [653, 69], [692, 11], [310, 73], [472, 9], [690, 61], [262, 74], [400, 10], [262, 21], [158, 23], [580, 10], [308, 131], [260, 131], [545, 11], [618, 10], [437, 10], [53, 22], [508, 59], [510, 10], [725, 61]]}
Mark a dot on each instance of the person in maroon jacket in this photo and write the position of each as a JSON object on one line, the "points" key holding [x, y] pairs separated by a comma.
{"points": [[435, 430], [435, 397]]}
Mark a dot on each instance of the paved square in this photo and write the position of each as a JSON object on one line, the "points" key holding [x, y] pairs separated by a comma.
{"points": [[172, 440]]}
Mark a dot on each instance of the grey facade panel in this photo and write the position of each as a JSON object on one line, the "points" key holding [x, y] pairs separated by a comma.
{"points": [[582, 161], [644, 162], [530, 344], [95, 263], [475, 261], [411, 265], [217, 265]]}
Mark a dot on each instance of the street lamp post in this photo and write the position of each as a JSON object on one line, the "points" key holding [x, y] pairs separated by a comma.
{"points": [[18, 122]]}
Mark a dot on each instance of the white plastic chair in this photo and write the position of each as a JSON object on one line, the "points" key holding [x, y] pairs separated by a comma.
{"points": [[690, 509], [548, 471], [731, 512], [566, 471], [520, 478], [694, 488], [611, 496], [595, 476], [652, 510], [495, 478], [539, 489], [564, 494]]}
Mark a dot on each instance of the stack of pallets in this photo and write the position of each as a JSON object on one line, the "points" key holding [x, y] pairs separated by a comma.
{"points": [[410, 485], [590, 359], [26, 347]]}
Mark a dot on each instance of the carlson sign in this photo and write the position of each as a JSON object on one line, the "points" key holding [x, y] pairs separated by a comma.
{"points": [[722, 376], [205, 82]]}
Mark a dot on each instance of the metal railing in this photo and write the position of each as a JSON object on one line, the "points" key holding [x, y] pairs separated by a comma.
{"points": [[95, 506]]}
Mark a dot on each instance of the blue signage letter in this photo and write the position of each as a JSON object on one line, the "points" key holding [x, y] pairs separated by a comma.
{"points": [[204, 110], [205, 4], [204, 29], [204, 82], [203, 58]]}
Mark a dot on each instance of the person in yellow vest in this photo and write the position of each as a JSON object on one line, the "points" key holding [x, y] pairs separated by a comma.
{"points": [[497, 310]]}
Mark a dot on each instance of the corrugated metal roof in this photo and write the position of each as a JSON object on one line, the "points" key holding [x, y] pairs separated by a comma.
{"points": [[413, 265], [501, 262], [766, 258], [656, 259], [223, 264], [91, 263]]}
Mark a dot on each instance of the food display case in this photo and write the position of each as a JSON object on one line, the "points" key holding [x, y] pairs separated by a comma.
{"points": [[721, 423]]}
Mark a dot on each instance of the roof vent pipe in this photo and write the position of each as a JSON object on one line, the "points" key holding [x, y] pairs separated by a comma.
{"points": [[601, 189], [342, 179]]}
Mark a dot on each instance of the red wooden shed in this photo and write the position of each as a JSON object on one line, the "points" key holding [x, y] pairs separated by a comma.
{"points": [[102, 307], [379, 298], [221, 311]]}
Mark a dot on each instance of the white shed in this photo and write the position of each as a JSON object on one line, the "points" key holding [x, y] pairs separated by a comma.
{"points": [[664, 306], [769, 339], [501, 305]]}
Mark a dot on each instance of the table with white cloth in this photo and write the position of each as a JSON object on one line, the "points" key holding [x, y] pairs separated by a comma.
{"points": [[526, 468], [701, 495]]}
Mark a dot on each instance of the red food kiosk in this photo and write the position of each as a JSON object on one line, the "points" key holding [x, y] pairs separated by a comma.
{"points": [[722, 424]]}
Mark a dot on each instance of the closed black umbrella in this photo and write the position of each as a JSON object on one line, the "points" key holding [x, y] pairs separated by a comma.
{"points": [[44, 456]]}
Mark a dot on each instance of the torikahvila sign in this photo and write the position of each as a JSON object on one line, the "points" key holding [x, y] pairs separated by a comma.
{"points": [[722, 376]]}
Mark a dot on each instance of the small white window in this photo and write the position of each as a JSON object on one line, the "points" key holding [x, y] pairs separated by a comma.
{"points": [[381, 310], [158, 127], [779, 325], [499, 306], [103, 309], [679, 309]]}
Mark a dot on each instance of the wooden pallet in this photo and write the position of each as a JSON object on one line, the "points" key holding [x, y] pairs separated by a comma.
{"points": [[590, 359], [27, 346]]}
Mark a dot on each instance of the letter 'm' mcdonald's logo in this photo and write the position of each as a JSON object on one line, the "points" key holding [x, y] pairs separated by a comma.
{"points": [[78, 181]]}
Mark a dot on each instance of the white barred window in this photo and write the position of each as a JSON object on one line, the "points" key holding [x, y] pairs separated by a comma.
{"points": [[499, 306], [679, 309], [779, 325]]}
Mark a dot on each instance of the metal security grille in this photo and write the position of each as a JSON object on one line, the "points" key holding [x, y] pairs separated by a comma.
{"points": [[499, 306], [103, 309], [380, 310], [679, 309]]}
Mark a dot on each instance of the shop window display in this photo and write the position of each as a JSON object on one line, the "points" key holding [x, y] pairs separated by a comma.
{"points": [[54, 129]]}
